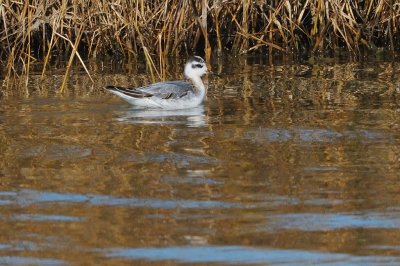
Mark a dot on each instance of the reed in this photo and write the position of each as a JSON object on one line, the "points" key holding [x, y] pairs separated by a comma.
{"points": [[35, 30]]}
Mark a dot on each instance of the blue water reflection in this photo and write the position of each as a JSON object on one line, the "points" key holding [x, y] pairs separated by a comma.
{"points": [[16, 260], [315, 135], [30, 197], [245, 256], [333, 221], [46, 218]]}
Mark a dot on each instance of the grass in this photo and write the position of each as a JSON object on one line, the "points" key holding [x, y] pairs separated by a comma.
{"points": [[38, 30]]}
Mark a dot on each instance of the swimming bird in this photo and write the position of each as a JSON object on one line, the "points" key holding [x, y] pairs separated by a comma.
{"points": [[179, 94]]}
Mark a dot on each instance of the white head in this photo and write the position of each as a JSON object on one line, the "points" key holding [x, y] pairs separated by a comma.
{"points": [[195, 67]]}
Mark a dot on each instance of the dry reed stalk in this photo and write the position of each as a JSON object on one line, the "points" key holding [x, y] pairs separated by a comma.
{"points": [[161, 58], [71, 58], [47, 57], [158, 28], [217, 9], [28, 48]]}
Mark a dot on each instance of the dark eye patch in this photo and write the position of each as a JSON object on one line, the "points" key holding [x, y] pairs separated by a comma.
{"points": [[197, 65]]}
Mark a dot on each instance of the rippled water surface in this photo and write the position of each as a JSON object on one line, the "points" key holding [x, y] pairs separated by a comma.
{"points": [[284, 164]]}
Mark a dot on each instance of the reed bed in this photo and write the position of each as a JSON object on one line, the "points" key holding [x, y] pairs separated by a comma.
{"points": [[38, 30]]}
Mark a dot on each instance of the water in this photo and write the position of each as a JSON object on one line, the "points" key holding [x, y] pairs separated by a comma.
{"points": [[286, 164]]}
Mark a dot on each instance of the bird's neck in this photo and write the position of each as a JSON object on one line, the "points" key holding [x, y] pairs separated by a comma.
{"points": [[198, 84]]}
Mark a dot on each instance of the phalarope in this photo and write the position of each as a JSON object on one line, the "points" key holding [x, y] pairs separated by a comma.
{"points": [[179, 94]]}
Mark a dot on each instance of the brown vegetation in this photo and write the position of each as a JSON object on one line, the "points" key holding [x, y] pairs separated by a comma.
{"points": [[39, 29]]}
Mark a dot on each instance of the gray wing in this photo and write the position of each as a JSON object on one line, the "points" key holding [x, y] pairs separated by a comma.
{"points": [[163, 90], [169, 89]]}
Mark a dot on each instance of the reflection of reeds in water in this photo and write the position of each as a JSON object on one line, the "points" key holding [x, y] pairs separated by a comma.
{"points": [[252, 164], [42, 28]]}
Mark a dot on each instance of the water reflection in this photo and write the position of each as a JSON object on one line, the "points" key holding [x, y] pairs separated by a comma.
{"points": [[13, 260], [312, 135], [245, 256], [193, 117], [25, 198], [334, 221], [283, 164]]}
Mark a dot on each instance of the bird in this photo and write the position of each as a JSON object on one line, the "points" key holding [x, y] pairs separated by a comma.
{"points": [[170, 95]]}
